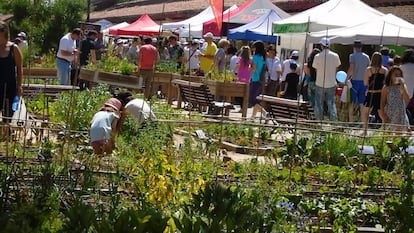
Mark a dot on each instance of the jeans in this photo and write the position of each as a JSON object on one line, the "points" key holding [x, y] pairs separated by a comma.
{"points": [[63, 71], [311, 93], [327, 94]]}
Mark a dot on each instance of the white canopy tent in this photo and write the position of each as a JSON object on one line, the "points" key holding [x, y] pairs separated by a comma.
{"points": [[329, 15], [387, 29], [205, 15], [104, 23], [116, 26], [259, 29], [193, 27]]}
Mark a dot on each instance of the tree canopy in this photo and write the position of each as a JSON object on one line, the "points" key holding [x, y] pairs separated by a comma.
{"points": [[44, 21]]}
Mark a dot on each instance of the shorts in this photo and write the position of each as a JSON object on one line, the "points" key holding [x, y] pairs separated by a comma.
{"points": [[373, 100], [358, 91], [99, 143]]}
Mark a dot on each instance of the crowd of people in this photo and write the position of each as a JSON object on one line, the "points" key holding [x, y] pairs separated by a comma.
{"points": [[379, 84], [376, 84]]}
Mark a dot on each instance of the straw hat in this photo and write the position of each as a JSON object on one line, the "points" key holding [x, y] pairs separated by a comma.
{"points": [[114, 103]]}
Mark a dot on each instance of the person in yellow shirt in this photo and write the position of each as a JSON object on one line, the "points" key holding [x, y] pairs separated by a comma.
{"points": [[208, 53]]}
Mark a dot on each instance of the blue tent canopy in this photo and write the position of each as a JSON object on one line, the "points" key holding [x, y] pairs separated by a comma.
{"points": [[259, 29]]}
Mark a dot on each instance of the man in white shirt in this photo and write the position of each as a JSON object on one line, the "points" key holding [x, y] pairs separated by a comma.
{"points": [[66, 55], [326, 64]]}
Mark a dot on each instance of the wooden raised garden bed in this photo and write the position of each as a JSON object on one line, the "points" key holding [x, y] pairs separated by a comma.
{"points": [[229, 90], [114, 79]]}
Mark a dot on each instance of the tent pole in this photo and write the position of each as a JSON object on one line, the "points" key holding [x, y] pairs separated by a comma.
{"points": [[295, 135], [222, 15], [163, 15], [382, 34], [267, 30], [324, 73], [398, 36], [88, 11]]}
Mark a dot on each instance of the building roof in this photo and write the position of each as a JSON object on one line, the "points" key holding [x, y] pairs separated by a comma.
{"points": [[167, 10], [174, 10]]}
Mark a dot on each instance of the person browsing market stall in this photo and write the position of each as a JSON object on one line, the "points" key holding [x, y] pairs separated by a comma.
{"points": [[326, 64], [358, 63]]}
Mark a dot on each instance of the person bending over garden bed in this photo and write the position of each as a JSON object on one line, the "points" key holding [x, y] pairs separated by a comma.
{"points": [[137, 108], [105, 125]]}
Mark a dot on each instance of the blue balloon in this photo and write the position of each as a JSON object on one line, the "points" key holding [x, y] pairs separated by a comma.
{"points": [[341, 76]]}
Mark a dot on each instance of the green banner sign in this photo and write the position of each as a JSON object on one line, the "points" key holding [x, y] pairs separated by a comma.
{"points": [[290, 27]]}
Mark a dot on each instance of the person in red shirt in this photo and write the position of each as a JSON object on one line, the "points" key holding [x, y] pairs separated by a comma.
{"points": [[147, 59]]}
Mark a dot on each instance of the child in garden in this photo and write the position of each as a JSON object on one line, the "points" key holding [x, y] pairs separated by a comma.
{"points": [[243, 65], [104, 127], [242, 69], [292, 81], [393, 95]]}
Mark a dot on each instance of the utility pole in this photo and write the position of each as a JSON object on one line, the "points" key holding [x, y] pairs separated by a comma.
{"points": [[88, 10]]}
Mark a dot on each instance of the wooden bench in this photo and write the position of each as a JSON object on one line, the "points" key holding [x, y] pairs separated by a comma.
{"points": [[198, 96], [286, 110], [30, 90]]}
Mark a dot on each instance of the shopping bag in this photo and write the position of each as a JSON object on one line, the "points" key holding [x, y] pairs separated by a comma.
{"points": [[19, 117], [344, 94]]}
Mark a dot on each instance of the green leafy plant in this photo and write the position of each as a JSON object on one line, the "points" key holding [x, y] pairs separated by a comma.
{"points": [[111, 63], [80, 106], [44, 22], [167, 66], [127, 68], [79, 218], [401, 209], [218, 208], [227, 76]]}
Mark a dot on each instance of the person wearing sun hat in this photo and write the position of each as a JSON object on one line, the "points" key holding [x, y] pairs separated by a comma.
{"points": [[105, 126], [326, 64], [192, 57], [208, 54], [154, 41]]}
